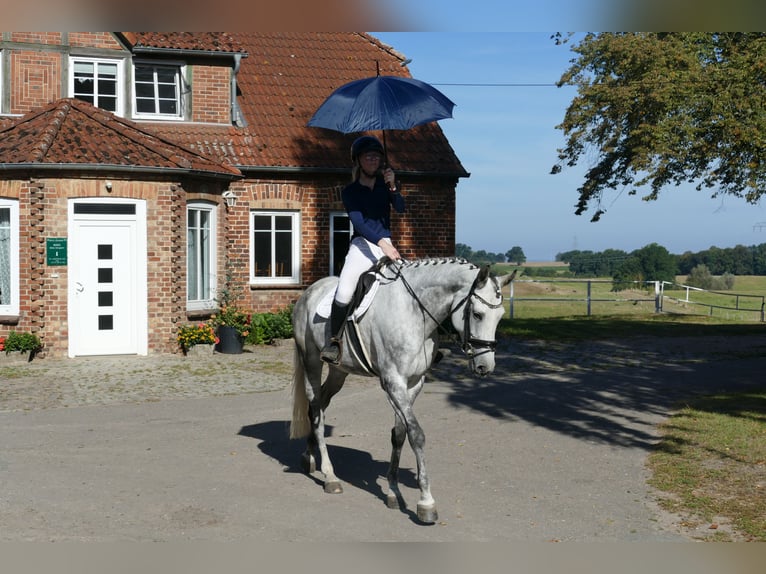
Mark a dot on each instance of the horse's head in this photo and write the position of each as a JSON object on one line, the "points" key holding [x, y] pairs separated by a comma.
{"points": [[475, 315]]}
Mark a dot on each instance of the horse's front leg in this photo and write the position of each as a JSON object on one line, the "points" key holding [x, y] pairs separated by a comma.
{"points": [[402, 399], [394, 497]]}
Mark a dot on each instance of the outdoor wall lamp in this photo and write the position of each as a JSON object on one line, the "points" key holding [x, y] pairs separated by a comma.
{"points": [[230, 198], [108, 186]]}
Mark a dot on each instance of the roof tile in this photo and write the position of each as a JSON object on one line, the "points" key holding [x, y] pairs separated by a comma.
{"points": [[70, 131], [282, 82]]}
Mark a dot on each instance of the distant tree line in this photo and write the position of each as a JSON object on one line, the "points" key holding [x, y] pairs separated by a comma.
{"points": [[514, 255], [739, 260], [714, 268]]}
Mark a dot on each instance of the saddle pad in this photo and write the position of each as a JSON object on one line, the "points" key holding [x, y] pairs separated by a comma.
{"points": [[325, 305]]}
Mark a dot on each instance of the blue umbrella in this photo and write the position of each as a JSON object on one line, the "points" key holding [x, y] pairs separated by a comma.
{"points": [[382, 103]]}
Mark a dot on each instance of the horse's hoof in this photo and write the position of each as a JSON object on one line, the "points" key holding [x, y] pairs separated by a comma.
{"points": [[333, 487], [427, 513], [308, 463], [392, 501]]}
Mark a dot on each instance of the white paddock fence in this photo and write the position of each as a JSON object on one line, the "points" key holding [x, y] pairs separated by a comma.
{"points": [[659, 296]]}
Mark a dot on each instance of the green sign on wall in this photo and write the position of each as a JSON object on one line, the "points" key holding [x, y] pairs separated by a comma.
{"points": [[55, 251]]}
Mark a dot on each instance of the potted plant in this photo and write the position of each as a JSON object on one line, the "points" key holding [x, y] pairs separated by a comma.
{"points": [[197, 336], [24, 345], [232, 325]]}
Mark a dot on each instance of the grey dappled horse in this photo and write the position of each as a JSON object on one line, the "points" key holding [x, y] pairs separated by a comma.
{"points": [[400, 332]]}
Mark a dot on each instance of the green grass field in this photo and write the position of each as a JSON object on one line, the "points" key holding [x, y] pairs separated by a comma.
{"points": [[560, 297]]}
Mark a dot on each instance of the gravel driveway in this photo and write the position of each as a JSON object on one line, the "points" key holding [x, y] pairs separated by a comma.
{"points": [[551, 447]]}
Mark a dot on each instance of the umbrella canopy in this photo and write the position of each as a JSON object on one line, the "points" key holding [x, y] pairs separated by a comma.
{"points": [[382, 103]]}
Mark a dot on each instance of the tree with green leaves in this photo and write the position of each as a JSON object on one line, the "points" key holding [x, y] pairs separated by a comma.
{"points": [[650, 263], [655, 109], [516, 255]]}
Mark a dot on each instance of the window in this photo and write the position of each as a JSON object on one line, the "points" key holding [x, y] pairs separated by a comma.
{"points": [[200, 256], [9, 257], [158, 91], [341, 231], [275, 247], [98, 82]]}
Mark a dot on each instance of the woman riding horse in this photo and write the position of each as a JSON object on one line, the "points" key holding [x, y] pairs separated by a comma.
{"points": [[368, 200]]}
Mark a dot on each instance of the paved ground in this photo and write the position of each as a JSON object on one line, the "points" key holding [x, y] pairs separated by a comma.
{"points": [[551, 447]]}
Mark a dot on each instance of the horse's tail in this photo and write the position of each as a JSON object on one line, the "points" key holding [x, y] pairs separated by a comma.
{"points": [[300, 426]]}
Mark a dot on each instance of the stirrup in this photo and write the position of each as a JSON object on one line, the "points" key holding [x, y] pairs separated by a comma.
{"points": [[331, 353]]}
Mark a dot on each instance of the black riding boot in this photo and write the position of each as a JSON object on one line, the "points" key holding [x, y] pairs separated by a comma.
{"points": [[331, 352]]}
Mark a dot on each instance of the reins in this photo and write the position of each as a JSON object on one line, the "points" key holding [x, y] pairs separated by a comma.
{"points": [[467, 345]]}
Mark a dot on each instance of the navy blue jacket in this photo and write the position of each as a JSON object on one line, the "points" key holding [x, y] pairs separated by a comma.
{"points": [[370, 210]]}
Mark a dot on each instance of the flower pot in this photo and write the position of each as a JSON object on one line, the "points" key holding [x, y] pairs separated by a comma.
{"points": [[15, 357], [200, 350], [229, 341]]}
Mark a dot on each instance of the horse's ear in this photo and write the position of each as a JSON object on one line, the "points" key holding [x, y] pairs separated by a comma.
{"points": [[482, 277], [505, 279]]}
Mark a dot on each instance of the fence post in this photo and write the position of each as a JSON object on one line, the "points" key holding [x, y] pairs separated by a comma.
{"points": [[657, 297], [510, 301], [589, 297]]}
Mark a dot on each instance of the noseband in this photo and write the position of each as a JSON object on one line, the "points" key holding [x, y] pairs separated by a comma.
{"points": [[469, 341]]}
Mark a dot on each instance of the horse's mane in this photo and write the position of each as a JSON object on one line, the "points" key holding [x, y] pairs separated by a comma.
{"points": [[405, 263]]}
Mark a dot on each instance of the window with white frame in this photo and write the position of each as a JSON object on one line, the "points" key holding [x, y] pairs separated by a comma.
{"points": [[200, 256], [158, 90], [275, 247], [9, 257], [1, 82], [98, 82], [341, 230]]}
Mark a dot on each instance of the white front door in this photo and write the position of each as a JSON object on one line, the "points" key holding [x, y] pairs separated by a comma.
{"points": [[107, 278]]}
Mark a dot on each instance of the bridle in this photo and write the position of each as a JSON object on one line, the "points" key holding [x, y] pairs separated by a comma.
{"points": [[469, 342]]}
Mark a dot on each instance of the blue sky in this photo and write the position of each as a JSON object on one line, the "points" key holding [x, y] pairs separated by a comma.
{"points": [[506, 138]]}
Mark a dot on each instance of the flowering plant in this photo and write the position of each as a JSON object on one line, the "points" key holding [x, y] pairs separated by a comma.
{"points": [[231, 316], [200, 334]]}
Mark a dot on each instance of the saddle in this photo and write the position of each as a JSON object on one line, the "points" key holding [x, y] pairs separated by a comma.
{"points": [[366, 288]]}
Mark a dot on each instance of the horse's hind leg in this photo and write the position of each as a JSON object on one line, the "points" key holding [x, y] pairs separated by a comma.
{"points": [[319, 402]]}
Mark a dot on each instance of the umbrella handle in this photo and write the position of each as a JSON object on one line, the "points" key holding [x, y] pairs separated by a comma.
{"points": [[387, 165]]}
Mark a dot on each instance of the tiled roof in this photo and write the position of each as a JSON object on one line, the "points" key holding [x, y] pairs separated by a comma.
{"points": [[194, 41], [283, 80], [70, 131]]}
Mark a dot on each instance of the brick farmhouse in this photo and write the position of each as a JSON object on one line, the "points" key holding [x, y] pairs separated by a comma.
{"points": [[143, 175]]}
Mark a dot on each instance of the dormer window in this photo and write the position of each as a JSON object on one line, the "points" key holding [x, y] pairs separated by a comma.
{"points": [[98, 82], [158, 91]]}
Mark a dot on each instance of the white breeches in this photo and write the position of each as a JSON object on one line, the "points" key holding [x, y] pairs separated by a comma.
{"points": [[361, 256]]}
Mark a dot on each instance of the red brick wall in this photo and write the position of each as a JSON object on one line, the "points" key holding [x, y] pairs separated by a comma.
{"points": [[104, 40], [211, 94], [426, 230], [35, 79], [51, 38]]}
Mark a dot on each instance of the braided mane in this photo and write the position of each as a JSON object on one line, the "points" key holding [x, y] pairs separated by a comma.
{"points": [[405, 263]]}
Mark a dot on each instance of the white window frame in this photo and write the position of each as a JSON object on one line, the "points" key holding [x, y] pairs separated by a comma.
{"points": [[1, 82], [120, 87], [295, 247], [212, 276], [335, 215], [12, 308], [181, 91]]}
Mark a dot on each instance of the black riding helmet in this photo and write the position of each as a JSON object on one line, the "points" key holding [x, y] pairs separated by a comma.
{"points": [[365, 144]]}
